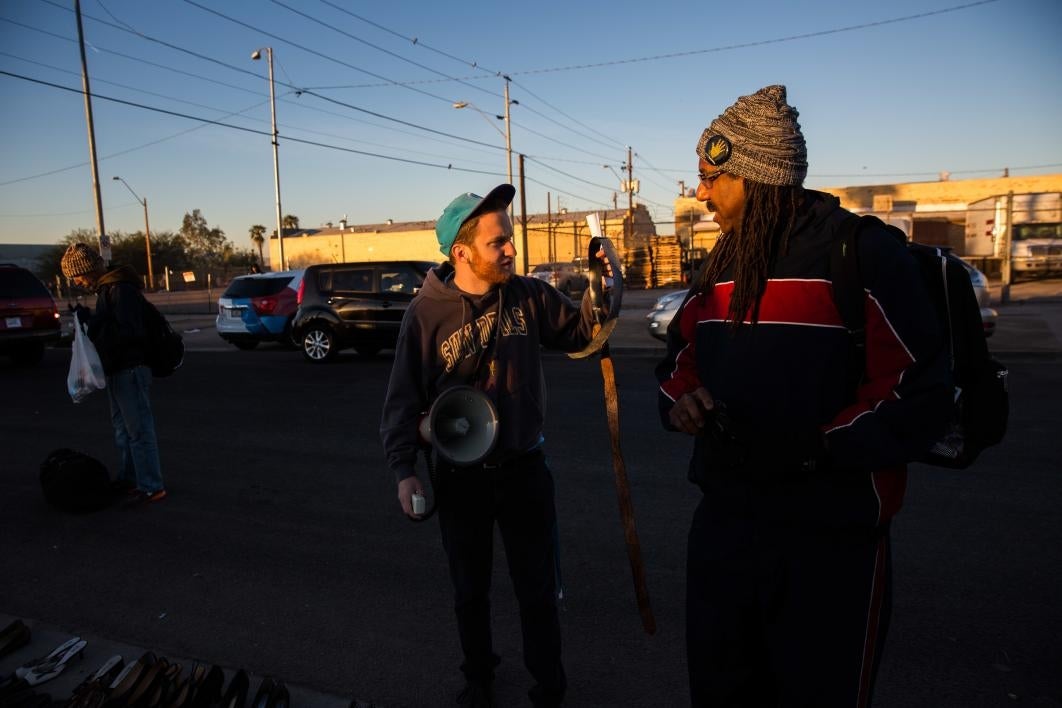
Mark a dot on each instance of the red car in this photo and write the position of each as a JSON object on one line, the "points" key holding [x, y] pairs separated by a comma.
{"points": [[29, 319]]}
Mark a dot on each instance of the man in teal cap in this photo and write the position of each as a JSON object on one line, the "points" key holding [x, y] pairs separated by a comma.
{"points": [[475, 323]]}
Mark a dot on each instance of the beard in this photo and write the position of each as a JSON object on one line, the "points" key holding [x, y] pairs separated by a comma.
{"points": [[492, 273]]}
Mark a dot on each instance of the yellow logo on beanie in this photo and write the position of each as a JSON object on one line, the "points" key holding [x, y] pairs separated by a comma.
{"points": [[717, 150]]}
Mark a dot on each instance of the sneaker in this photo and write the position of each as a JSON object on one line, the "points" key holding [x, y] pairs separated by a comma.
{"points": [[476, 694], [143, 498]]}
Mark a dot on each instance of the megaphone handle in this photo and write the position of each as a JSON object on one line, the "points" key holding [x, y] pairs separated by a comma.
{"points": [[433, 477]]}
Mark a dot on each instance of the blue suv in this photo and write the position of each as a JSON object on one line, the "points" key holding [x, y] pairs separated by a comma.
{"points": [[259, 308]]}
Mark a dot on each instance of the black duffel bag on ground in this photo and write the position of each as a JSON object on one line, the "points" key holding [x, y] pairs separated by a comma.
{"points": [[75, 482]]}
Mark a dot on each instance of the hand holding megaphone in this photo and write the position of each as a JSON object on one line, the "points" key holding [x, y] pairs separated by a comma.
{"points": [[462, 427]]}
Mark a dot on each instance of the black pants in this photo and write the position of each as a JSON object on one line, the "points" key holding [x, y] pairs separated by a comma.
{"points": [[783, 615], [519, 497]]}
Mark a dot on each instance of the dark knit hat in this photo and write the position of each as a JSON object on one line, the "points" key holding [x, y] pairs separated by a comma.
{"points": [[81, 259], [763, 142]]}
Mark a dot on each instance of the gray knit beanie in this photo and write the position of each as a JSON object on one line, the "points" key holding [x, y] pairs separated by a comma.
{"points": [[81, 259], [763, 140]]}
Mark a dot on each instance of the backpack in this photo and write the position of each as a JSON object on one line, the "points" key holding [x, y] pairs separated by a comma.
{"points": [[164, 350], [75, 482], [979, 416]]}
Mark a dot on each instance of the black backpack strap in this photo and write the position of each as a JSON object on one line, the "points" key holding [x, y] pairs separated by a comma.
{"points": [[848, 294]]}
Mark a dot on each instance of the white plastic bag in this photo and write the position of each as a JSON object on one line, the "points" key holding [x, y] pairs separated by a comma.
{"points": [[86, 371]]}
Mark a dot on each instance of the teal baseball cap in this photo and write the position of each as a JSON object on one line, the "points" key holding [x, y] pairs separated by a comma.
{"points": [[464, 207]]}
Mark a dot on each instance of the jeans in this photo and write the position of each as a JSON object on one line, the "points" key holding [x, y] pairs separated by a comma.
{"points": [[134, 428], [518, 497]]}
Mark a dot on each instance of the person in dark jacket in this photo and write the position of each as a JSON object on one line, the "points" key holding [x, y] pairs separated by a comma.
{"points": [[476, 323], [117, 331], [801, 466]]}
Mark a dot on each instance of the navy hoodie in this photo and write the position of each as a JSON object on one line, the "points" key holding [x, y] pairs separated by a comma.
{"points": [[450, 338]]}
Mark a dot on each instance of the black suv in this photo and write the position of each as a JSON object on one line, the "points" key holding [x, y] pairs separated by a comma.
{"points": [[357, 305], [29, 318]]}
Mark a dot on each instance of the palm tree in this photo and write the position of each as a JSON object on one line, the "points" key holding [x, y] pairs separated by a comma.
{"points": [[290, 222], [258, 238]]}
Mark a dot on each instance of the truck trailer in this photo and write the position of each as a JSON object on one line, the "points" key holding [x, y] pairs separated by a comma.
{"points": [[1036, 231]]}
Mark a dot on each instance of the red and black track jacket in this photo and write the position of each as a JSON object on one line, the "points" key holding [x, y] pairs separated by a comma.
{"points": [[786, 385]]}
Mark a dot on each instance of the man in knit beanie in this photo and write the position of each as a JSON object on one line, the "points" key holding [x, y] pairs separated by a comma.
{"points": [[118, 333], [788, 564]]}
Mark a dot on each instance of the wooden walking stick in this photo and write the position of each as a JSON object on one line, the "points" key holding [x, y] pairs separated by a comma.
{"points": [[599, 344]]}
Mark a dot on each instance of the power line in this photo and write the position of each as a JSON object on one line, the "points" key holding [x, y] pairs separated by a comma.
{"points": [[760, 43], [415, 41], [314, 51], [296, 89], [382, 49], [177, 114], [569, 117]]}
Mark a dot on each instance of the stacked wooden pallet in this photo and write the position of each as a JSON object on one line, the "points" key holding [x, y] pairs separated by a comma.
{"points": [[667, 262]]}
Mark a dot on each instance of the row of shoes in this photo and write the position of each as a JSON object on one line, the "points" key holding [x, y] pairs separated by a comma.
{"points": [[149, 682]]}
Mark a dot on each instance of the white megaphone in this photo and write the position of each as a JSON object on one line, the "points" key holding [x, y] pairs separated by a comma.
{"points": [[462, 425]]}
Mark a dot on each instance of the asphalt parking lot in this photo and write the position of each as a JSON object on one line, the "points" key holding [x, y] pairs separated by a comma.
{"points": [[281, 550]]}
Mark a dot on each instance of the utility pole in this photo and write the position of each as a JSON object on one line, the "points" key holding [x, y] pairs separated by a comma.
{"points": [[104, 239], [509, 153], [549, 227], [257, 54], [523, 216], [629, 236]]}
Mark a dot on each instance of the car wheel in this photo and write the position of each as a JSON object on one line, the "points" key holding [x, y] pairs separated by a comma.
{"points": [[367, 350], [246, 345], [318, 344], [28, 355]]}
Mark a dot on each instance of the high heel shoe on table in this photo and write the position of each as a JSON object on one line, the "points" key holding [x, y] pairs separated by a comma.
{"points": [[49, 670], [126, 682], [209, 691], [51, 657], [264, 695], [280, 697], [93, 690], [236, 694]]}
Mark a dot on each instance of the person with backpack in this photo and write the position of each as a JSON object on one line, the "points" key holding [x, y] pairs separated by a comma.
{"points": [[119, 332], [800, 437]]}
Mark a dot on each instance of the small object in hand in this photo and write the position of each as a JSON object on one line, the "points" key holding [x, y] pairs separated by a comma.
{"points": [[419, 503]]}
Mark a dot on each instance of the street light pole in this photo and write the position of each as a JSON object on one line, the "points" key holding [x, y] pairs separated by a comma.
{"points": [[256, 55], [147, 232]]}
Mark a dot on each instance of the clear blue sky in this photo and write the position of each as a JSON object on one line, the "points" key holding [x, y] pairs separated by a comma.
{"points": [[969, 91]]}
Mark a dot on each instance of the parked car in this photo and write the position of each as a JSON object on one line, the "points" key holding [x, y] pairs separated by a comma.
{"points": [[29, 319], [667, 305], [662, 312], [570, 278], [259, 308], [359, 305], [980, 286]]}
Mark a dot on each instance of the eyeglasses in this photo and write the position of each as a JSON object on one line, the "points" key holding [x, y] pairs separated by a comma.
{"points": [[709, 178]]}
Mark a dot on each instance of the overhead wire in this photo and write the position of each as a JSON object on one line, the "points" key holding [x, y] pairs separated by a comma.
{"points": [[303, 141], [382, 49], [759, 43], [322, 55], [297, 89]]}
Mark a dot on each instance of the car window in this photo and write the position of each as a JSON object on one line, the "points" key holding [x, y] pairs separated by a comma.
{"points": [[256, 287], [18, 283], [352, 280], [400, 279]]}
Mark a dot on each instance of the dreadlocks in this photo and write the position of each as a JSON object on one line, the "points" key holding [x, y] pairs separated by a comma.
{"points": [[769, 215]]}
